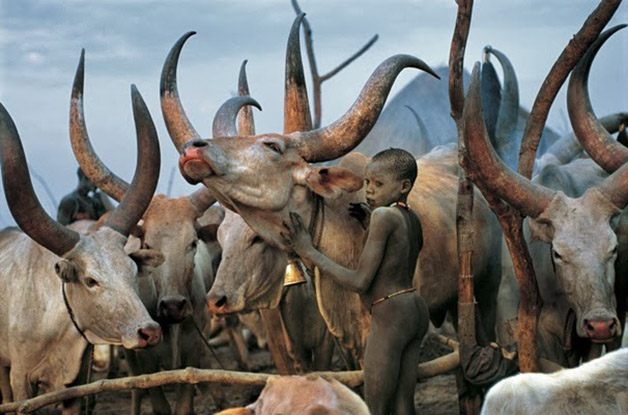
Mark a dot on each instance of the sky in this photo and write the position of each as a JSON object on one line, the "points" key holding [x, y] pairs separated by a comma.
{"points": [[126, 42]]}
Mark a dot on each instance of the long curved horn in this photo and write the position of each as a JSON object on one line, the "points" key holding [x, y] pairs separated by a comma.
{"points": [[491, 98], [21, 198], [202, 199], [224, 124], [529, 198], [140, 193], [296, 109], [90, 163], [342, 136], [179, 126], [246, 122], [509, 108], [606, 152], [622, 137], [615, 187], [425, 135]]}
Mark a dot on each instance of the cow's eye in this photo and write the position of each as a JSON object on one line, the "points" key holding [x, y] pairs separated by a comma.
{"points": [[192, 246], [614, 251], [90, 282], [273, 146], [256, 240], [557, 255]]}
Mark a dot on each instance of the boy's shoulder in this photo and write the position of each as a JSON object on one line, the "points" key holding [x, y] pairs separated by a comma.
{"points": [[385, 214]]}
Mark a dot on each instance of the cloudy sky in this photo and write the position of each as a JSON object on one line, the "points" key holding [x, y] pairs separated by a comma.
{"points": [[126, 42]]}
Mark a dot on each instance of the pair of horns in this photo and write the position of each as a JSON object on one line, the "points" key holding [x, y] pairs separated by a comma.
{"points": [[297, 115], [318, 145], [28, 212], [530, 198], [105, 179]]}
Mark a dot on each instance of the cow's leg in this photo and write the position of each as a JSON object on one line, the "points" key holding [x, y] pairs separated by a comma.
{"points": [[146, 364], [20, 385], [190, 356], [5, 385], [486, 295], [73, 406], [324, 353]]}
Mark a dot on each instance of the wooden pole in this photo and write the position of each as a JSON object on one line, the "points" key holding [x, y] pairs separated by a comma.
{"points": [[193, 376], [469, 398]]}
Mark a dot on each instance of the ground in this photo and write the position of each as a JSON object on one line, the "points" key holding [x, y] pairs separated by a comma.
{"points": [[437, 396]]}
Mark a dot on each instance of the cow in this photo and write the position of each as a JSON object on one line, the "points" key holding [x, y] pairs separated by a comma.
{"points": [[566, 173], [264, 177], [251, 276], [307, 395], [173, 293], [575, 224], [596, 387], [60, 289]]}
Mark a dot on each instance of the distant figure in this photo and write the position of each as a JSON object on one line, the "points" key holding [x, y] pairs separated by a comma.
{"points": [[80, 204]]}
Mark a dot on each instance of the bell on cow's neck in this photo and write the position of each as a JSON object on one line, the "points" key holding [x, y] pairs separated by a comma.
{"points": [[294, 273]]}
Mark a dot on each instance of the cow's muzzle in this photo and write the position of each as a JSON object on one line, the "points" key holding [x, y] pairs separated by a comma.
{"points": [[192, 164], [602, 330]]}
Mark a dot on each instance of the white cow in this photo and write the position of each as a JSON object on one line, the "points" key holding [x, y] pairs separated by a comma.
{"points": [[60, 270], [597, 387]]}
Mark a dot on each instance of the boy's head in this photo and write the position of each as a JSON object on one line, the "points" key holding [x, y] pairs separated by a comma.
{"points": [[389, 177]]}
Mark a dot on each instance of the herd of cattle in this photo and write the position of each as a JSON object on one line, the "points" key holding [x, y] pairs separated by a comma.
{"points": [[154, 259]]}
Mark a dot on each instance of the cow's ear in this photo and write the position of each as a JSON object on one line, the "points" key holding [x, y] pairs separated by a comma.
{"points": [[147, 257], [66, 270], [541, 229], [138, 230], [332, 182], [208, 233]]}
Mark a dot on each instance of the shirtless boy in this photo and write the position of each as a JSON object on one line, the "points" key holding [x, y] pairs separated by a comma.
{"points": [[399, 316]]}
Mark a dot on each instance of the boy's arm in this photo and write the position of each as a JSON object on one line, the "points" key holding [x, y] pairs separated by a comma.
{"points": [[359, 280]]}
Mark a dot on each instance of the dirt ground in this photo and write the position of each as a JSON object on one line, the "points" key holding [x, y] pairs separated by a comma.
{"points": [[437, 396]]}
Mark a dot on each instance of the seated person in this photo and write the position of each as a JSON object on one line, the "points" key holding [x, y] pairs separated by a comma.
{"points": [[80, 204], [399, 316]]}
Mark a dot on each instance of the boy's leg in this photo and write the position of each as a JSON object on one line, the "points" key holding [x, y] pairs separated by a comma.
{"points": [[404, 397], [381, 367]]}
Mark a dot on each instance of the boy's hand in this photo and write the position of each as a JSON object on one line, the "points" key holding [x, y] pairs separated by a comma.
{"points": [[296, 236], [361, 212]]}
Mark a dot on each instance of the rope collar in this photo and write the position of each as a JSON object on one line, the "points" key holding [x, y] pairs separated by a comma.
{"points": [[71, 313]]}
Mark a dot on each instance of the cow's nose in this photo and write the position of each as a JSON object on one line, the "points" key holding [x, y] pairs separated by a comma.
{"points": [[173, 310], [217, 304], [149, 335], [197, 143], [602, 329]]}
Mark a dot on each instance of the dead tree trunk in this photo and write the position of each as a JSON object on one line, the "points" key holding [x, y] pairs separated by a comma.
{"points": [[469, 397]]}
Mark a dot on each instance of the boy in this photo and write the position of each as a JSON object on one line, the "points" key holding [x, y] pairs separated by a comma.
{"points": [[399, 316]]}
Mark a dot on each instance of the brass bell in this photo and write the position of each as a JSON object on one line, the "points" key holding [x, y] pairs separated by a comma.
{"points": [[294, 273]]}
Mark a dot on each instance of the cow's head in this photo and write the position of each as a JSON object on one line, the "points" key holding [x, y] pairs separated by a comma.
{"points": [[579, 230], [170, 234], [99, 278], [270, 173], [250, 274]]}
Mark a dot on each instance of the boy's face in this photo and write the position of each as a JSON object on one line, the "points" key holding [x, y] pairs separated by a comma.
{"points": [[382, 185]]}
